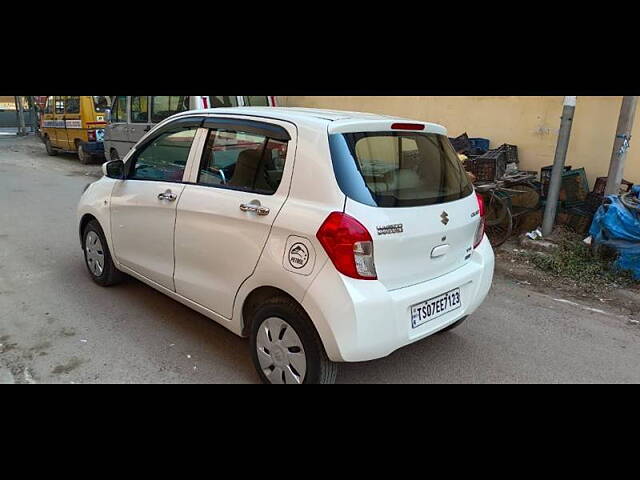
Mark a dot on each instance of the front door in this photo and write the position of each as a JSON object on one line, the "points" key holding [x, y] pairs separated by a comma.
{"points": [[143, 207], [226, 213]]}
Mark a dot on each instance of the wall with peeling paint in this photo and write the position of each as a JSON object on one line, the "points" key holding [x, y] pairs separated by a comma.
{"points": [[530, 122]]}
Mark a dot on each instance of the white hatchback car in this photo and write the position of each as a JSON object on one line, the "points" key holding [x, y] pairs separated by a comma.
{"points": [[324, 236]]}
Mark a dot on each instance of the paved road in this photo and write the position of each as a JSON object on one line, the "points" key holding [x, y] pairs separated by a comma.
{"points": [[56, 326]]}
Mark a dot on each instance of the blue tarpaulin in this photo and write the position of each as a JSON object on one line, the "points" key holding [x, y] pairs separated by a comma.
{"points": [[618, 227]]}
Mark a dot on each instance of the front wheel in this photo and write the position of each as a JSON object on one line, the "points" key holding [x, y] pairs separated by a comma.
{"points": [[285, 346], [97, 256]]}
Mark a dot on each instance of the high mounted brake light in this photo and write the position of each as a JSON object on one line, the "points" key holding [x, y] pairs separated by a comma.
{"points": [[407, 126]]}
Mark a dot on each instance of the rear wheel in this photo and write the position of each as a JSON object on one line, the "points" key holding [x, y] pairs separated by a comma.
{"points": [[285, 346], [50, 150], [83, 156]]}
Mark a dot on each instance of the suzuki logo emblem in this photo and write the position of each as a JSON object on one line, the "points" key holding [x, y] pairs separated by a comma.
{"points": [[445, 217]]}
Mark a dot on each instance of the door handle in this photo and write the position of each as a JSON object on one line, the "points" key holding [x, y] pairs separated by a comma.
{"points": [[168, 195], [255, 208]]}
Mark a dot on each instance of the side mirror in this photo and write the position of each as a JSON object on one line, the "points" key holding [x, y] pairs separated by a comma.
{"points": [[113, 169]]}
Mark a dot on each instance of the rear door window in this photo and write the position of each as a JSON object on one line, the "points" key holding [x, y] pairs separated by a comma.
{"points": [[163, 107], [242, 161], [100, 103], [398, 169]]}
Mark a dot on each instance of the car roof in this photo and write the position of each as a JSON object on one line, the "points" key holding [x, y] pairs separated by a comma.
{"points": [[334, 120]]}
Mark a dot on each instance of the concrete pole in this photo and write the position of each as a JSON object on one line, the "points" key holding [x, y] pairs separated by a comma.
{"points": [[621, 145], [558, 165], [20, 109]]}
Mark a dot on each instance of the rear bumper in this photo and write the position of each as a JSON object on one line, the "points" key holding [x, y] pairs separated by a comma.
{"points": [[361, 320], [94, 148]]}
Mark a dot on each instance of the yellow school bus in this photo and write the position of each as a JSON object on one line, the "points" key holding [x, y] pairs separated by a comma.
{"points": [[75, 124]]}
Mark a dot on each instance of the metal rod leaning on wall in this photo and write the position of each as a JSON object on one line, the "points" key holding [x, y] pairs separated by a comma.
{"points": [[562, 147], [621, 145]]}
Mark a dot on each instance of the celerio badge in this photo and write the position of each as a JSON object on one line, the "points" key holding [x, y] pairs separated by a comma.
{"points": [[389, 229]]}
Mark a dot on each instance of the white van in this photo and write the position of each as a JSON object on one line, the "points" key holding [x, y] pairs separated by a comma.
{"points": [[133, 116]]}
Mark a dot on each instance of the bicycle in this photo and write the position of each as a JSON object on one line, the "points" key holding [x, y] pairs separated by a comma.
{"points": [[500, 210]]}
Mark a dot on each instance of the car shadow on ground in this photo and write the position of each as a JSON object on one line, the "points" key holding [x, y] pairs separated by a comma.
{"points": [[221, 356]]}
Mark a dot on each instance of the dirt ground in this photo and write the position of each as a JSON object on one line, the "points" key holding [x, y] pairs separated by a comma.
{"points": [[510, 263]]}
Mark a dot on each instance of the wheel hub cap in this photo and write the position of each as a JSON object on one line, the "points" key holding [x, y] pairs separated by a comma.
{"points": [[94, 254], [280, 352]]}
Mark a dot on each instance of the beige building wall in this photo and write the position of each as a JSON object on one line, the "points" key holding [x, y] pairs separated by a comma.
{"points": [[531, 123]]}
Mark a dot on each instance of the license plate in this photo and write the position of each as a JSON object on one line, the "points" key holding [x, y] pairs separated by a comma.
{"points": [[100, 135], [435, 307]]}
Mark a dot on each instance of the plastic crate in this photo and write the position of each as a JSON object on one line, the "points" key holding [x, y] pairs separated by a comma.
{"points": [[461, 144], [545, 177], [579, 219], [574, 187], [480, 144], [601, 184], [490, 166], [593, 201], [511, 151]]}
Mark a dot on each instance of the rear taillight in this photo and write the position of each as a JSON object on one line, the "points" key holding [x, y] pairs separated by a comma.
{"points": [[349, 246], [91, 135], [480, 231]]}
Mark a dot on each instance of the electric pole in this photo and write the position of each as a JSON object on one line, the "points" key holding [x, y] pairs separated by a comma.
{"points": [[562, 147], [621, 145], [20, 111]]}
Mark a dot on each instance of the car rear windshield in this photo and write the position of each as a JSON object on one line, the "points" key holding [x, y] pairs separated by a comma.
{"points": [[398, 169], [101, 103]]}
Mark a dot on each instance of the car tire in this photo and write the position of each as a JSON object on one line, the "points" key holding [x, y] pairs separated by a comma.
{"points": [[453, 325], [83, 156], [285, 346], [97, 257], [50, 150]]}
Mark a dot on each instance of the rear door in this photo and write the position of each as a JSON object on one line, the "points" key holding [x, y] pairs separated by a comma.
{"points": [[411, 192], [225, 216]]}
